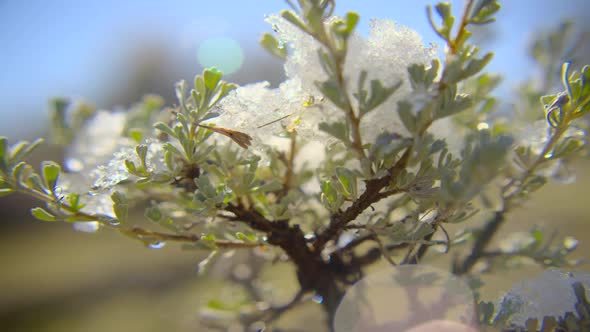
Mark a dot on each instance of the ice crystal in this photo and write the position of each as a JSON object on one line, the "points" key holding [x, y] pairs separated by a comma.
{"points": [[385, 55], [96, 142], [550, 294], [115, 170], [536, 137]]}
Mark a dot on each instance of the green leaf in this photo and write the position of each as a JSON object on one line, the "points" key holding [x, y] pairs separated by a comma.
{"points": [[22, 150], [142, 150], [3, 147], [331, 90], [272, 45], [409, 120], [443, 9], [161, 126], [348, 180], [292, 18], [330, 196], [130, 166], [5, 191], [336, 129], [74, 201], [42, 214], [120, 205], [379, 95], [565, 80], [246, 238], [474, 66], [351, 20], [211, 78], [50, 171], [153, 213], [483, 11]]}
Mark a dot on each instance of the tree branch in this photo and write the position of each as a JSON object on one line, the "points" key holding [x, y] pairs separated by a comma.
{"points": [[372, 194]]}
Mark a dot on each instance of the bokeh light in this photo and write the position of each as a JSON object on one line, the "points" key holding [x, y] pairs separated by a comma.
{"points": [[222, 52]]}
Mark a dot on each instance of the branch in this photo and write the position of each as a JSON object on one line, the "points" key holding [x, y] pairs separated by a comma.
{"points": [[372, 194], [144, 234], [477, 252]]}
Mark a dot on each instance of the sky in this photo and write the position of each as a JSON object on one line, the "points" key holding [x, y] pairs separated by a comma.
{"points": [[79, 48]]}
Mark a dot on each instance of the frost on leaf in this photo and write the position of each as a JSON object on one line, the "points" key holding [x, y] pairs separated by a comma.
{"points": [[115, 171], [550, 294], [384, 55], [95, 143], [536, 136]]}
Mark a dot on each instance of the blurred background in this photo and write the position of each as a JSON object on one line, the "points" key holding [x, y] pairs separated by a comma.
{"points": [[112, 53]]}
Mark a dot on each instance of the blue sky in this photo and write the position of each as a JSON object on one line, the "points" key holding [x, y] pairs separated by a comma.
{"points": [[75, 48]]}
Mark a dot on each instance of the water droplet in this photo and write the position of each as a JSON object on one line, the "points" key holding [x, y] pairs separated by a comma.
{"points": [[178, 214], [483, 126], [570, 243], [87, 226], [114, 222], [318, 299], [157, 245], [309, 236], [74, 165]]}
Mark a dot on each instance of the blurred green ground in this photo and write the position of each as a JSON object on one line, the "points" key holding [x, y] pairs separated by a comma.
{"points": [[55, 279]]}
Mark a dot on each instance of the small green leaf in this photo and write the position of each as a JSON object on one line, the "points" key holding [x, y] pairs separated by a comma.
{"points": [[120, 206], [211, 77], [51, 171], [130, 166], [153, 213], [142, 150], [352, 20], [348, 180], [246, 238], [336, 129], [331, 90], [42, 214], [3, 147], [22, 150], [292, 18], [565, 80], [161, 126], [405, 114], [272, 45], [136, 134], [74, 201], [482, 13], [5, 191]]}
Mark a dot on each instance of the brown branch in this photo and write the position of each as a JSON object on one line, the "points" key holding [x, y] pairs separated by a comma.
{"points": [[480, 244], [144, 234], [372, 194]]}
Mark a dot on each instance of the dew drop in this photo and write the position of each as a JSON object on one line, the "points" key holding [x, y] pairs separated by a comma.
{"points": [[87, 226], [157, 245], [570, 243], [114, 222], [74, 165], [483, 126], [318, 299]]}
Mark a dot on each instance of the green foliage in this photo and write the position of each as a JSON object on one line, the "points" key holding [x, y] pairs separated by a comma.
{"points": [[388, 188]]}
